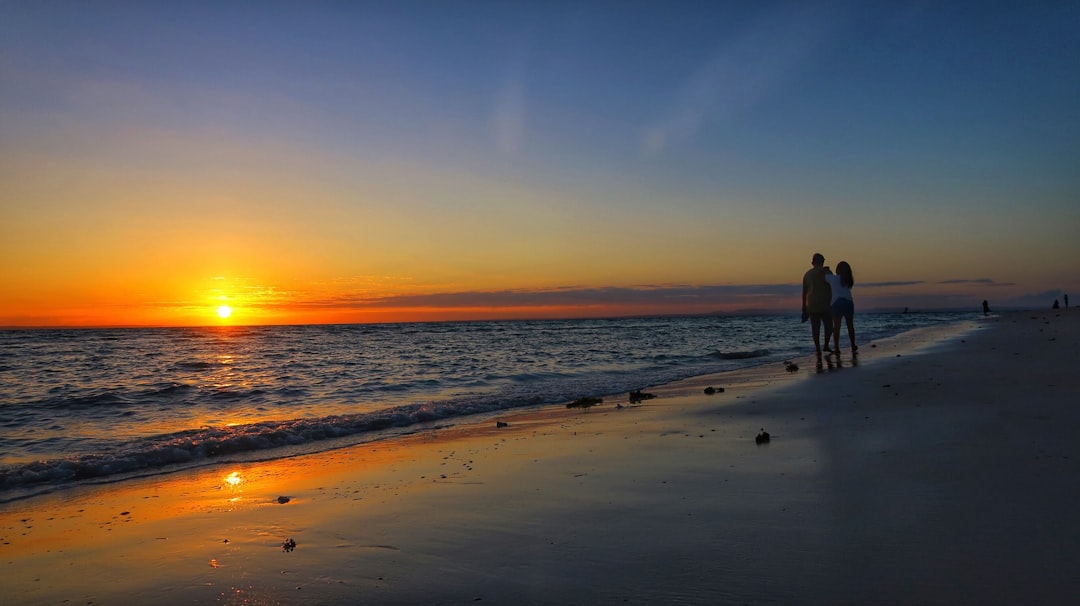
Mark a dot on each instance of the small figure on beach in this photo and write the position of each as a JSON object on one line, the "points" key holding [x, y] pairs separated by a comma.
{"points": [[1056, 305], [816, 299], [763, 437], [1066, 300], [986, 307], [843, 304], [791, 366]]}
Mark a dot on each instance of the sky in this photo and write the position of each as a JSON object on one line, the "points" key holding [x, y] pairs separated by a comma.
{"points": [[332, 162]]}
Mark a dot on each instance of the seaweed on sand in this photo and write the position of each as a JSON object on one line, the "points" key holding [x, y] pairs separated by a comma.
{"points": [[586, 402]]}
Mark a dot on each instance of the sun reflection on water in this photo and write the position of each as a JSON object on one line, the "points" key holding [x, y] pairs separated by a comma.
{"points": [[233, 482]]}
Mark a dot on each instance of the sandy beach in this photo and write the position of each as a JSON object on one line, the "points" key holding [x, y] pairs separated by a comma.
{"points": [[939, 467]]}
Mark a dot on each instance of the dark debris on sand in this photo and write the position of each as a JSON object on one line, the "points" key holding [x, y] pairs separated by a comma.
{"points": [[586, 402]]}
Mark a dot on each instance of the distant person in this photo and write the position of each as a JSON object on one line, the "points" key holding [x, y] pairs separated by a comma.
{"points": [[986, 307], [1066, 301], [843, 304], [816, 299], [1056, 306]]}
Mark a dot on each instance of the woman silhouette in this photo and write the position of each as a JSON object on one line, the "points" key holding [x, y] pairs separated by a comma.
{"points": [[843, 304]]}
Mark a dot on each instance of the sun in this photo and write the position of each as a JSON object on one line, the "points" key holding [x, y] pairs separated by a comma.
{"points": [[224, 311]]}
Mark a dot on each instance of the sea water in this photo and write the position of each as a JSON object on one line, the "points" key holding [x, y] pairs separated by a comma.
{"points": [[92, 404]]}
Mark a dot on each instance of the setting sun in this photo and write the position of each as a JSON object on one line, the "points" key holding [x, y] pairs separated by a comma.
{"points": [[224, 311]]}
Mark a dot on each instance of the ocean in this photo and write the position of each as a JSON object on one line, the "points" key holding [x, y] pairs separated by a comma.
{"points": [[93, 405]]}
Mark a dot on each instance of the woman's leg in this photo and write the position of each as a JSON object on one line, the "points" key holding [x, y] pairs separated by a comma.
{"points": [[836, 333], [850, 331]]}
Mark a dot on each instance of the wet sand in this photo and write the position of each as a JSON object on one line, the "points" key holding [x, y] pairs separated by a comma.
{"points": [[939, 469]]}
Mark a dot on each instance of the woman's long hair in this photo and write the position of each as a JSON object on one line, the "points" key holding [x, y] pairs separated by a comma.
{"points": [[847, 279]]}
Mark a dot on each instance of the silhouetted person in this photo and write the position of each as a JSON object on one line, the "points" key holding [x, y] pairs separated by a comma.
{"points": [[1066, 301], [1056, 306], [843, 304], [816, 299], [986, 307]]}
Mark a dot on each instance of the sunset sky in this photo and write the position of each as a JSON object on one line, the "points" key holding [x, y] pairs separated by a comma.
{"points": [[382, 161]]}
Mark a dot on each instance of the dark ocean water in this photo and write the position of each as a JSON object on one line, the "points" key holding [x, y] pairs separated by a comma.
{"points": [[78, 405]]}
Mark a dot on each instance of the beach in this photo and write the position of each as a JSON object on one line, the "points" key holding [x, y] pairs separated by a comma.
{"points": [[937, 467]]}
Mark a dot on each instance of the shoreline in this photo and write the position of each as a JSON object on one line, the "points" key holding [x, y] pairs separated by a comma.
{"points": [[176, 450], [668, 500]]}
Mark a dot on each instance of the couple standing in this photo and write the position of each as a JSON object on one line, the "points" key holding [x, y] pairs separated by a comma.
{"points": [[826, 298]]}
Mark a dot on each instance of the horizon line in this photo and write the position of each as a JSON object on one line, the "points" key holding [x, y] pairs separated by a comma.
{"points": [[740, 312]]}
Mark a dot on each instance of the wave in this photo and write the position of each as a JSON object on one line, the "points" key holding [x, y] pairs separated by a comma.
{"points": [[207, 445], [209, 442], [197, 365], [195, 446], [93, 401], [740, 355], [113, 398], [235, 395], [169, 390]]}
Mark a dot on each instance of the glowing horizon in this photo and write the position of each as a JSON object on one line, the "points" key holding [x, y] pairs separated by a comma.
{"points": [[559, 303]]}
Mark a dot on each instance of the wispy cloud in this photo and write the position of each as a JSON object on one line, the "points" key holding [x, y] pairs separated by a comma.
{"points": [[737, 76], [957, 281], [356, 299], [889, 284], [508, 119], [980, 281], [723, 295]]}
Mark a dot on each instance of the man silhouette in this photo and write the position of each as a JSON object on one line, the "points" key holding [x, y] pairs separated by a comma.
{"points": [[816, 299]]}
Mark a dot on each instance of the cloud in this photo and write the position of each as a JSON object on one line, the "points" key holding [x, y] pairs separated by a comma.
{"points": [[659, 296], [363, 299], [889, 284], [508, 119], [367, 295], [963, 281], [980, 281], [737, 76]]}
